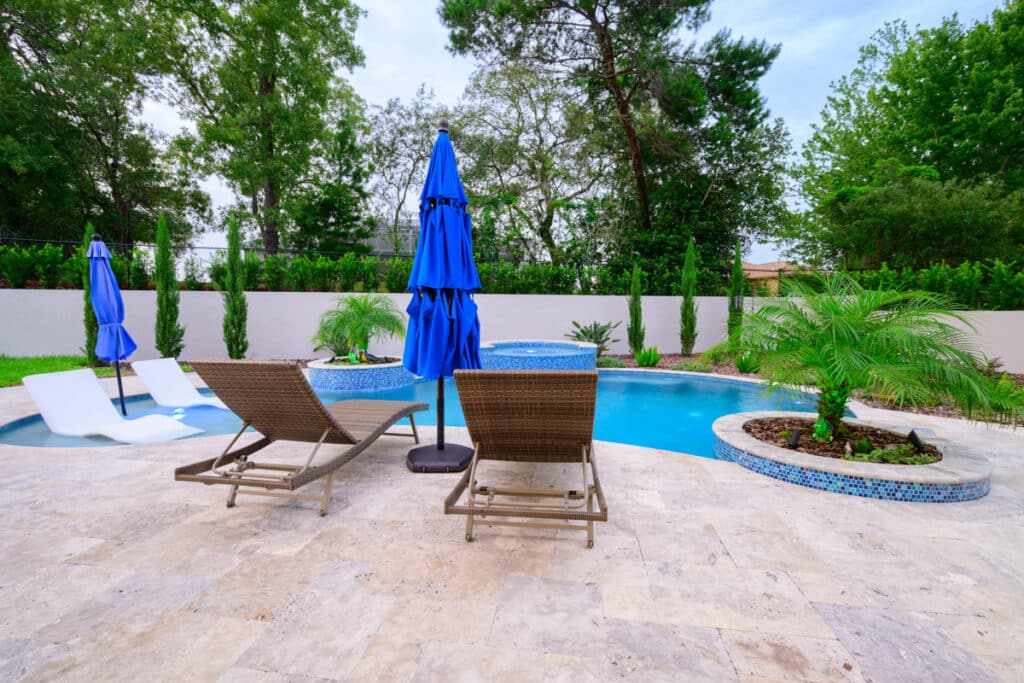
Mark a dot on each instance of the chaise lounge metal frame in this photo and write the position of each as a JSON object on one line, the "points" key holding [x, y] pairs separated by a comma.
{"points": [[274, 398], [544, 416]]}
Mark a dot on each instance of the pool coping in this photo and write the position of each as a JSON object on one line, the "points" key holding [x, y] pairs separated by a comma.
{"points": [[961, 475]]}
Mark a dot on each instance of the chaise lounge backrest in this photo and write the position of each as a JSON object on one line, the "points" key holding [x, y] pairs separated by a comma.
{"points": [[529, 415], [274, 398]]}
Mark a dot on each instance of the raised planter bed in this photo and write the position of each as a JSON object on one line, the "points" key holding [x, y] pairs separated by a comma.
{"points": [[326, 376], [959, 476]]}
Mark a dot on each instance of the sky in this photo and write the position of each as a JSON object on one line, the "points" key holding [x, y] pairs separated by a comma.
{"points": [[405, 45]]}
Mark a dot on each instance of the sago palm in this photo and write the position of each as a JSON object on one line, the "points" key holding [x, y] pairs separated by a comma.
{"points": [[904, 346], [357, 319]]}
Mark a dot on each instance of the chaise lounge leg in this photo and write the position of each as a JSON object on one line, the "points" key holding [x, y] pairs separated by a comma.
{"points": [[327, 494], [231, 496]]}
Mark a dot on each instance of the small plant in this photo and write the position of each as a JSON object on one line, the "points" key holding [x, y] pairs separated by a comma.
{"points": [[748, 363], [169, 335], [785, 433], [610, 362], [863, 445], [647, 357], [904, 454], [695, 365], [349, 327], [236, 310], [635, 329], [822, 430], [594, 333], [688, 307]]}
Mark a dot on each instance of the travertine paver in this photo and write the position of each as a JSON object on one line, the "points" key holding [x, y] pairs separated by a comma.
{"points": [[110, 570]]}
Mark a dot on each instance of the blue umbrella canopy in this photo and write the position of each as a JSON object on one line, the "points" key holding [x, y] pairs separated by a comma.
{"points": [[444, 329], [113, 342]]}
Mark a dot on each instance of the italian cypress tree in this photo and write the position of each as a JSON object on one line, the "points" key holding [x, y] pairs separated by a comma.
{"points": [[737, 281], [236, 311], [92, 328], [170, 336], [635, 330], [688, 307]]}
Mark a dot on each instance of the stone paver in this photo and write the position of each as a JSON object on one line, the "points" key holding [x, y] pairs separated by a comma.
{"points": [[110, 570]]}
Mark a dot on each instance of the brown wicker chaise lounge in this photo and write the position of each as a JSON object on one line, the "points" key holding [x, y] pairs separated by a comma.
{"points": [[542, 416], [274, 398]]}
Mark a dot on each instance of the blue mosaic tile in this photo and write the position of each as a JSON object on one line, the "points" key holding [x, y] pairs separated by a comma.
{"points": [[364, 379], [865, 487], [526, 355]]}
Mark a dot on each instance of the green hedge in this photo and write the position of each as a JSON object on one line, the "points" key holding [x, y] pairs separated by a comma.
{"points": [[989, 285]]}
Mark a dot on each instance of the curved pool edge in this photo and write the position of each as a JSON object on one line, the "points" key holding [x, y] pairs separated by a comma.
{"points": [[959, 477]]}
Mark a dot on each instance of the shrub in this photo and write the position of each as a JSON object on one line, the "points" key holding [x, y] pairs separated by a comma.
{"points": [[396, 276], [355, 320], [299, 275], [688, 307], [138, 270], [863, 445], [191, 279], [647, 357], [737, 282], [252, 265], [348, 272], [236, 311], [323, 274], [1005, 289], [748, 363], [635, 328], [274, 269], [92, 327], [695, 365], [610, 362], [595, 333], [48, 260], [369, 273], [169, 335], [16, 266]]}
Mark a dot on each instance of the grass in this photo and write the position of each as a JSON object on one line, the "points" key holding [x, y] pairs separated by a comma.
{"points": [[13, 369]]}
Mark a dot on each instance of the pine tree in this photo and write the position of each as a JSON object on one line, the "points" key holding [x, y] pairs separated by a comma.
{"points": [[235, 308], [92, 328], [170, 336], [635, 330], [737, 283], [688, 307]]}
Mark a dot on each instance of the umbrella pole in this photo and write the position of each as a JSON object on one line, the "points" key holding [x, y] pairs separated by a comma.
{"points": [[440, 413], [120, 389]]}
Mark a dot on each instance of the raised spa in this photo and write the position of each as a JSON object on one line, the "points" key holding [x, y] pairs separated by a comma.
{"points": [[326, 376], [538, 355]]}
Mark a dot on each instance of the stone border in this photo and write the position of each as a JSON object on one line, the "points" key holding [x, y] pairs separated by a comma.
{"points": [[959, 476], [366, 377]]}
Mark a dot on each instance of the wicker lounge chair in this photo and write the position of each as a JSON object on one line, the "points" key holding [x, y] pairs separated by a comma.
{"points": [[274, 398], [530, 416]]}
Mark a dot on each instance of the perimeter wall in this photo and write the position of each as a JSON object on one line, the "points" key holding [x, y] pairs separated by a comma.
{"points": [[39, 322]]}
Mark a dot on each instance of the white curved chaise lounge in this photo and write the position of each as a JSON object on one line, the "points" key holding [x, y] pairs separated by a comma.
{"points": [[169, 386], [74, 404]]}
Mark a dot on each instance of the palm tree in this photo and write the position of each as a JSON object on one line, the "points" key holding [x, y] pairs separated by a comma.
{"points": [[357, 319], [906, 346]]}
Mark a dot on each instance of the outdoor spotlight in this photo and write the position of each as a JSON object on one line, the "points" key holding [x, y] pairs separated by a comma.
{"points": [[794, 439], [915, 441]]}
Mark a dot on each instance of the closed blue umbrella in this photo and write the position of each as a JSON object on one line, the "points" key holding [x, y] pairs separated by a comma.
{"points": [[444, 329], [113, 343]]}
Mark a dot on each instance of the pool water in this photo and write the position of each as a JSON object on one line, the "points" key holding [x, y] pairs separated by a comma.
{"points": [[659, 410]]}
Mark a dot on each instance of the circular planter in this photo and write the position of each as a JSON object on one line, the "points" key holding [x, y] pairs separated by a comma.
{"points": [[538, 354], [377, 377], [959, 476]]}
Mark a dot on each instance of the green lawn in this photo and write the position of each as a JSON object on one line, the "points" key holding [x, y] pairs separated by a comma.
{"points": [[13, 369]]}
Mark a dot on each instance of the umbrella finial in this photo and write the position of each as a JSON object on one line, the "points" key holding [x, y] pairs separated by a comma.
{"points": [[96, 237], [443, 124]]}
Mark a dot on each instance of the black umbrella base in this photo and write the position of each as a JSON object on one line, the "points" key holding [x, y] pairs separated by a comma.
{"points": [[430, 458]]}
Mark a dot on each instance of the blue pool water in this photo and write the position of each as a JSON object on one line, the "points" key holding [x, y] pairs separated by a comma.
{"points": [[659, 410]]}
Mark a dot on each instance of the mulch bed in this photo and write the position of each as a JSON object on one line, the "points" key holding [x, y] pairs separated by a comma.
{"points": [[768, 429], [668, 360]]}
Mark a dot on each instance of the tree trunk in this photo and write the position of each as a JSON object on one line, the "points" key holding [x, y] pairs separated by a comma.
{"points": [[269, 222], [626, 118]]}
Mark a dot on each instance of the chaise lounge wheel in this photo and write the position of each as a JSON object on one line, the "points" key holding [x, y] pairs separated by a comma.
{"points": [[590, 544], [231, 504], [469, 538]]}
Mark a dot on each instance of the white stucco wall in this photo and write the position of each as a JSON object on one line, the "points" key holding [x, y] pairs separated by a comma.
{"points": [[46, 322]]}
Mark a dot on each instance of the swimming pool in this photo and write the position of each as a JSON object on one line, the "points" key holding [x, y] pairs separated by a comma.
{"points": [[670, 411]]}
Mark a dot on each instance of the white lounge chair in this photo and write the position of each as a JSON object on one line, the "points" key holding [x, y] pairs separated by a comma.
{"points": [[73, 403], [169, 386]]}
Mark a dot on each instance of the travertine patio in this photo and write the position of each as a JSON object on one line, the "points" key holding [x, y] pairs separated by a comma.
{"points": [[112, 571]]}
